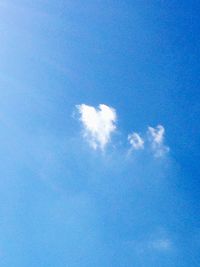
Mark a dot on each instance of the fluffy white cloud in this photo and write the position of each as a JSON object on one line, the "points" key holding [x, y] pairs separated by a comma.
{"points": [[156, 137], [99, 123], [136, 141]]}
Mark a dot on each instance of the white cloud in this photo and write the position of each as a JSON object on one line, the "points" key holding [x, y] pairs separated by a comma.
{"points": [[157, 133], [153, 245], [156, 137], [99, 123], [162, 244], [136, 141]]}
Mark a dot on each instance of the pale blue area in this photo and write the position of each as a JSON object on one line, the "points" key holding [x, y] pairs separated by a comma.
{"points": [[63, 204]]}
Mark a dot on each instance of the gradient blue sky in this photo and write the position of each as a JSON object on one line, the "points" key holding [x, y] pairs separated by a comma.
{"points": [[64, 204]]}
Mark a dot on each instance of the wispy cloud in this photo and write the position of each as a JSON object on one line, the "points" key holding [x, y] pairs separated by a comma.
{"points": [[99, 123], [136, 141], [163, 244], [159, 243], [156, 138]]}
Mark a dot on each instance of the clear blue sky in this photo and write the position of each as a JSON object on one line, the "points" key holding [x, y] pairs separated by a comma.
{"points": [[63, 203]]}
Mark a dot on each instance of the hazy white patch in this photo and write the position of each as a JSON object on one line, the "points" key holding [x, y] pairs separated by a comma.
{"points": [[157, 133], [161, 244], [136, 141], [156, 137], [99, 123], [153, 245]]}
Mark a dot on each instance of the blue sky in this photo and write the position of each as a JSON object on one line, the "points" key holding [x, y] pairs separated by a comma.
{"points": [[84, 185]]}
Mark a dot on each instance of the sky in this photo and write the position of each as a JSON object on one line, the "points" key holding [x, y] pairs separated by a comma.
{"points": [[99, 133]]}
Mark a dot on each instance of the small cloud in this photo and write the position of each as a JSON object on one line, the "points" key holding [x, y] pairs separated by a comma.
{"points": [[157, 133], [161, 244], [99, 123], [156, 137], [136, 141], [154, 244]]}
